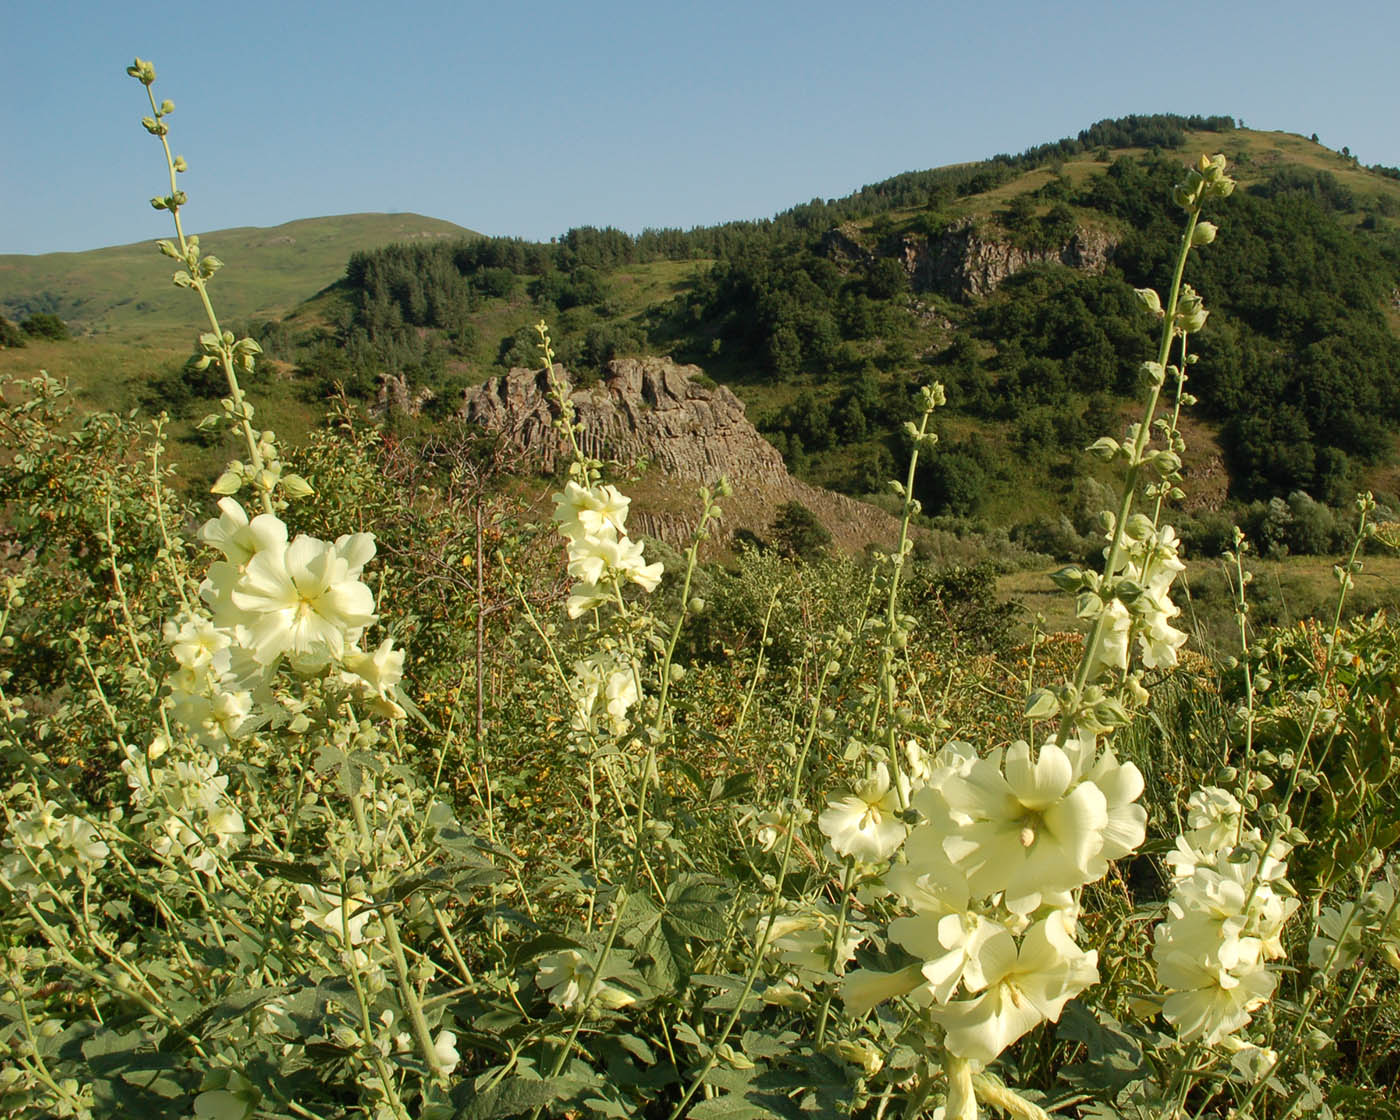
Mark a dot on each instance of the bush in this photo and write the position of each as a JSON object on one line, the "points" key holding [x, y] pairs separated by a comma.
{"points": [[45, 325], [11, 337], [796, 532]]}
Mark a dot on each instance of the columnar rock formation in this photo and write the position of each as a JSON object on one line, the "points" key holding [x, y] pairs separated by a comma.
{"points": [[653, 411]]}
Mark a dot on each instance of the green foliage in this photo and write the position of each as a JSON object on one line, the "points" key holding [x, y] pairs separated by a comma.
{"points": [[796, 532], [11, 336], [45, 325], [588, 850]]}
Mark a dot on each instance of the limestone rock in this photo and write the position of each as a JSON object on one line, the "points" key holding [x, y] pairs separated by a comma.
{"points": [[967, 261], [690, 430]]}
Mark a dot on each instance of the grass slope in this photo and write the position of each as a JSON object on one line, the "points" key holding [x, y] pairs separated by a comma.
{"points": [[123, 294]]}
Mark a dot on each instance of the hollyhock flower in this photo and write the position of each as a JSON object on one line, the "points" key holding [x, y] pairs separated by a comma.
{"points": [[1033, 833], [375, 676], [1340, 937], [866, 987], [1213, 819], [594, 559], [864, 825], [1158, 640], [951, 947], [774, 824], [588, 511], [1112, 652], [1226, 916], [564, 977], [602, 681], [585, 597], [1024, 986], [305, 600], [195, 642], [340, 917], [1206, 999], [238, 538], [802, 940]]}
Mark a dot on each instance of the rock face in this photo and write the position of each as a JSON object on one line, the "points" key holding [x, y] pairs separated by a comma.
{"points": [[966, 262], [394, 395], [653, 410], [647, 408]]}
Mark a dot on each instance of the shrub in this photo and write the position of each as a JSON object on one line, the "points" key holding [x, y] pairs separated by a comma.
{"points": [[44, 324]]}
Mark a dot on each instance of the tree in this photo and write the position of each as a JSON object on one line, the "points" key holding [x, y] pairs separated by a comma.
{"points": [[10, 335], [45, 325], [796, 532]]}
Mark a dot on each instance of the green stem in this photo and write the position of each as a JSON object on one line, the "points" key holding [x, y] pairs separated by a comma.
{"points": [[1125, 506], [407, 996], [198, 284]]}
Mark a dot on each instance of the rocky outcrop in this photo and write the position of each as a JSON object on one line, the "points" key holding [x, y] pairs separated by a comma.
{"points": [[395, 396], [968, 262], [644, 409], [651, 410], [965, 263]]}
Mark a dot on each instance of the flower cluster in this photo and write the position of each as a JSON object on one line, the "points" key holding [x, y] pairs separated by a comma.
{"points": [[602, 557], [271, 600], [1230, 900], [47, 845], [303, 598], [1142, 608], [604, 689], [188, 813], [991, 878]]}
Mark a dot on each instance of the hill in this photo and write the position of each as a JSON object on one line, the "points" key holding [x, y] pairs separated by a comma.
{"points": [[117, 292], [1010, 280]]}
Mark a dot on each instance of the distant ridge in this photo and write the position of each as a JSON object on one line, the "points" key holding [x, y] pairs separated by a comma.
{"points": [[124, 293]]}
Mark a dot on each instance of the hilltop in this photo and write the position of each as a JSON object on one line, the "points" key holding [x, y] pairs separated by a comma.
{"points": [[120, 293]]}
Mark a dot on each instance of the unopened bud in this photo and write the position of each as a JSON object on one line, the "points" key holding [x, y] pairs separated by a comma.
{"points": [[1150, 300], [1203, 234]]}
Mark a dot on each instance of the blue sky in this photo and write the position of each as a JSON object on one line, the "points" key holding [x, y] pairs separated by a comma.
{"points": [[528, 118]]}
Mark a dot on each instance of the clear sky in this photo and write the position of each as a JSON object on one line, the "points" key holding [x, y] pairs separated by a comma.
{"points": [[528, 118]]}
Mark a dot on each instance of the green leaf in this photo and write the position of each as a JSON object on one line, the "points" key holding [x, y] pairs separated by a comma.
{"points": [[291, 872], [736, 785], [697, 906], [638, 1048], [539, 946], [220, 1104], [1115, 1059], [728, 1108], [516, 1096]]}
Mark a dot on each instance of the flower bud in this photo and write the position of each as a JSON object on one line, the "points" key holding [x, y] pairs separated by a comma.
{"points": [[1150, 300], [863, 1053], [1203, 234], [143, 71], [294, 486]]}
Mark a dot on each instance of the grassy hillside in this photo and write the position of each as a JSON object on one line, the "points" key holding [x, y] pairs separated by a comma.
{"points": [[122, 293]]}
